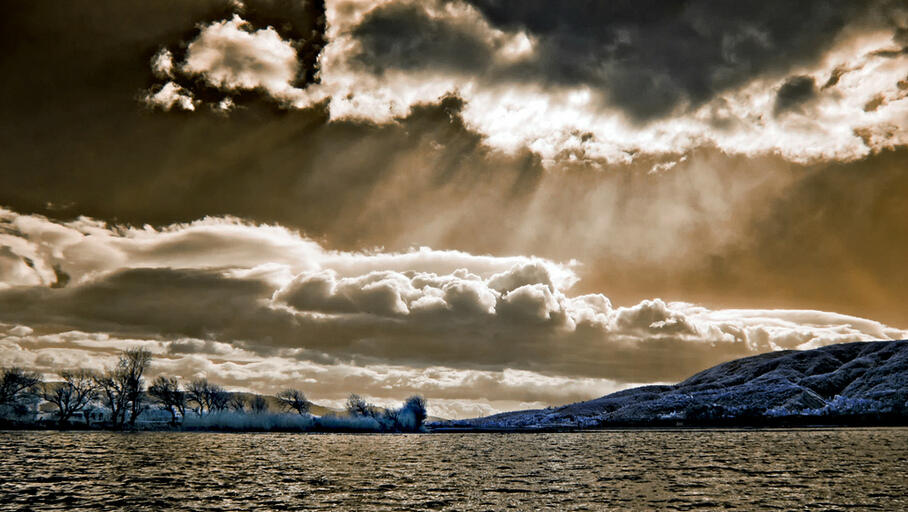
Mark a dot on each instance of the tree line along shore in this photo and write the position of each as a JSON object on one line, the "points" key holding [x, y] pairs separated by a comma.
{"points": [[119, 398]]}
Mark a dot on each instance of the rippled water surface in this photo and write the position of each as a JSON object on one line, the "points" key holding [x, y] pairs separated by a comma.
{"points": [[861, 469]]}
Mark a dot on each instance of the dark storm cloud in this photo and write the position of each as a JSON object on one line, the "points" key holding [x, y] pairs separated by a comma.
{"points": [[647, 58], [795, 92], [404, 36]]}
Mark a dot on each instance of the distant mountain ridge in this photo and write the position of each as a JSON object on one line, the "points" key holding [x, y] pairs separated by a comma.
{"points": [[849, 383]]}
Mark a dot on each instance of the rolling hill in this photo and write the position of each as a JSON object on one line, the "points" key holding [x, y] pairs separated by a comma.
{"points": [[861, 383]]}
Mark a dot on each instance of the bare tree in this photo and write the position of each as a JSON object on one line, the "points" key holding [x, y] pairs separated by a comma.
{"points": [[237, 403], [113, 393], [135, 362], [168, 393], [89, 409], [15, 383], [197, 393], [294, 400], [218, 398], [207, 397], [258, 405], [357, 406], [76, 391], [123, 386]]}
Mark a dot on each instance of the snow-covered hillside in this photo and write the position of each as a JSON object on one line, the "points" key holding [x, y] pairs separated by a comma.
{"points": [[852, 381]]}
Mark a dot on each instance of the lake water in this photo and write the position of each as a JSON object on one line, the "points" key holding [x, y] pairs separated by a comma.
{"points": [[839, 469]]}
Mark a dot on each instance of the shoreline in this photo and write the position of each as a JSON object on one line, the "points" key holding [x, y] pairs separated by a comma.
{"points": [[785, 422], [690, 428], [447, 430]]}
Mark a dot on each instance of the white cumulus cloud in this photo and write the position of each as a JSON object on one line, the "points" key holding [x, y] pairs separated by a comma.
{"points": [[260, 299]]}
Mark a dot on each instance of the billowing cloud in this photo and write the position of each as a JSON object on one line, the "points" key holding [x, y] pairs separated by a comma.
{"points": [[609, 83], [262, 47], [242, 292], [170, 96], [233, 56], [731, 106], [650, 59], [162, 64]]}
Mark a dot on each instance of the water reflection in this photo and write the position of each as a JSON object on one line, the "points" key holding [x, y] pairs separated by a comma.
{"points": [[679, 470]]}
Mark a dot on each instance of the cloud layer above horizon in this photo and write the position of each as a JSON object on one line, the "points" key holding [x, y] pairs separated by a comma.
{"points": [[260, 307]]}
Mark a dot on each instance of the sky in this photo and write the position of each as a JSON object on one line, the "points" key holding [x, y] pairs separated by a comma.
{"points": [[496, 204]]}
